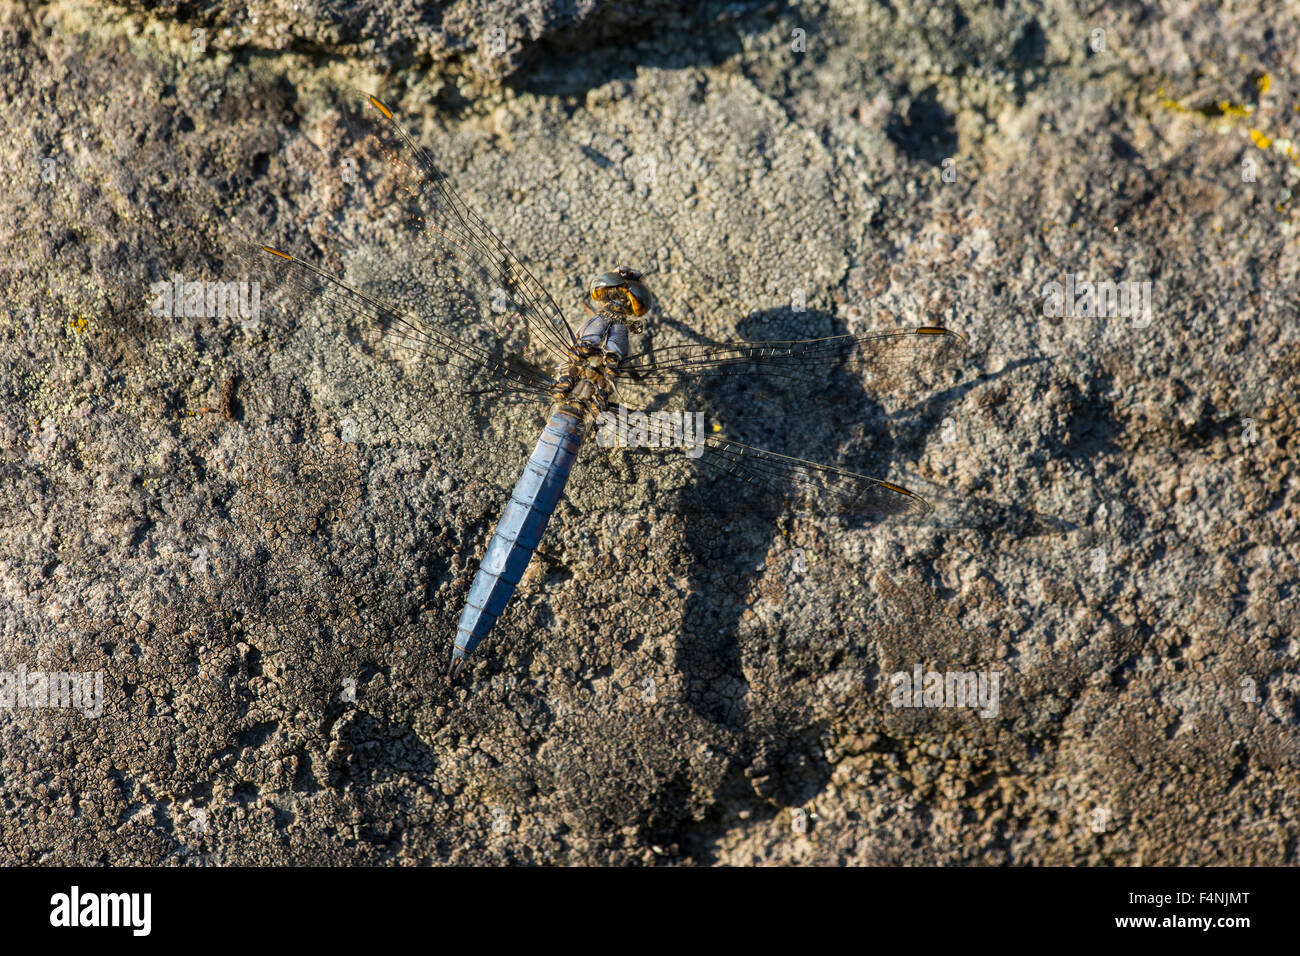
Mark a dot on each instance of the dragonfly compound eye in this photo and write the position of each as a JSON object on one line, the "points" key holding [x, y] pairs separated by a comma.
{"points": [[624, 287], [640, 297]]}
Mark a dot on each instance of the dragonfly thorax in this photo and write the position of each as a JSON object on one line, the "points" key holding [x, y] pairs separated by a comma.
{"points": [[584, 382], [605, 332]]}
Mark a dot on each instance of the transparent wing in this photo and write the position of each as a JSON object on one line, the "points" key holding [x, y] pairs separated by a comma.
{"points": [[709, 473], [877, 358], [455, 331], [456, 248], [743, 385], [376, 325], [403, 381], [772, 484]]}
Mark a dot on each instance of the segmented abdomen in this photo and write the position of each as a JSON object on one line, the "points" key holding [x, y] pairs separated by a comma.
{"points": [[520, 529]]}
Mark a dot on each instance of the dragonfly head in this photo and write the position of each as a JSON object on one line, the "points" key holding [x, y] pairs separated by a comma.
{"points": [[623, 291]]}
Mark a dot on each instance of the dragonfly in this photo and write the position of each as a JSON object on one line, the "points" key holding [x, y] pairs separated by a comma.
{"points": [[481, 335]]}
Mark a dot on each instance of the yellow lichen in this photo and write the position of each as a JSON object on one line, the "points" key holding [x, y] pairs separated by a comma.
{"points": [[1228, 109]]}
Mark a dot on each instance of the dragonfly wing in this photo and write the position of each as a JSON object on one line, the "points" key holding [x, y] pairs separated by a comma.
{"points": [[726, 473], [719, 475], [402, 380], [375, 315], [880, 359], [774, 483], [453, 242]]}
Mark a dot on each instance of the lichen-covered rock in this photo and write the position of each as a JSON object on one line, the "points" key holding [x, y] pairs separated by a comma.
{"points": [[270, 602]]}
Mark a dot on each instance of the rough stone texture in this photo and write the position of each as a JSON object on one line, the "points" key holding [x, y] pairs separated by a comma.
{"points": [[272, 607]]}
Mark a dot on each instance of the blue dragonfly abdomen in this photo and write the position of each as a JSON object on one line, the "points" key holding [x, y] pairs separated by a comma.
{"points": [[519, 531], [583, 386]]}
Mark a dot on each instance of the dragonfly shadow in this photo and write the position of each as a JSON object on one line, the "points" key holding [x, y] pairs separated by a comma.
{"points": [[830, 416]]}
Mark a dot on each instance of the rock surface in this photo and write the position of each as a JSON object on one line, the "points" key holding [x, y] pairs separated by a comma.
{"points": [[270, 601]]}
